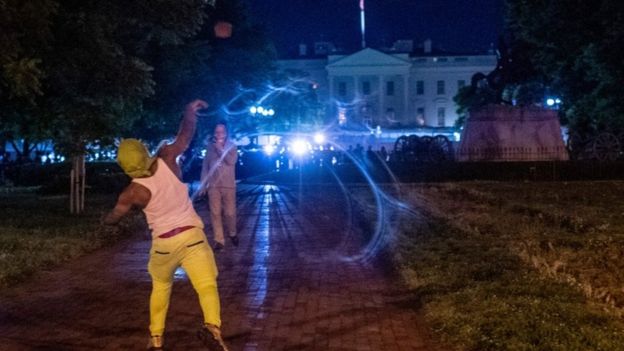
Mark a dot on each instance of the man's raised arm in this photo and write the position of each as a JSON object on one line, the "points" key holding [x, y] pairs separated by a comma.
{"points": [[186, 131]]}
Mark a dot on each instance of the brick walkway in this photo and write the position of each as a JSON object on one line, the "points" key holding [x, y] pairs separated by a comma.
{"points": [[288, 286]]}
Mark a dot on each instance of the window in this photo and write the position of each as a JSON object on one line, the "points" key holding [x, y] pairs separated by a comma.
{"points": [[390, 88], [441, 89], [420, 87], [366, 88], [460, 84], [420, 116], [441, 116], [342, 89]]}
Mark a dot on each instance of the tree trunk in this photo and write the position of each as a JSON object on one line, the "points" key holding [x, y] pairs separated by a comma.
{"points": [[77, 185]]}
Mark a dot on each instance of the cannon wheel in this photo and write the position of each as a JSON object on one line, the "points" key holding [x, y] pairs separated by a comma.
{"points": [[414, 142], [422, 152], [439, 148], [606, 147], [401, 147], [401, 144]]}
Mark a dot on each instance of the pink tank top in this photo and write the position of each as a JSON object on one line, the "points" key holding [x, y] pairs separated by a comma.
{"points": [[170, 206]]}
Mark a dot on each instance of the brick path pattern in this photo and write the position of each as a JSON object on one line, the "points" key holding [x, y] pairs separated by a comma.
{"points": [[287, 286]]}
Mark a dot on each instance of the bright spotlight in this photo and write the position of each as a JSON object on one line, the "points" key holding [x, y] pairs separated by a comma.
{"points": [[271, 112], [260, 109], [550, 102], [269, 149], [319, 138], [299, 147], [253, 109]]}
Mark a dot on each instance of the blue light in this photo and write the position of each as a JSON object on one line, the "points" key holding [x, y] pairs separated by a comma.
{"points": [[299, 147], [319, 138], [269, 149]]}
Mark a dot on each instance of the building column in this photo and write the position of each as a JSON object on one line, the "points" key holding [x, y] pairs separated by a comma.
{"points": [[333, 111], [381, 115], [406, 113]]}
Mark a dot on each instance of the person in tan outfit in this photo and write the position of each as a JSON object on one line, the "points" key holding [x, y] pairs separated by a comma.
{"points": [[218, 181]]}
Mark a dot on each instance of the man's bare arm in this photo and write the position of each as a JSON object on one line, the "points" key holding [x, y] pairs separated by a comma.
{"points": [[182, 141], [133, 195]]}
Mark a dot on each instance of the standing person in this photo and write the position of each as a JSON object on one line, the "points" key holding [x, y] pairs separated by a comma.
{"points": [[218, 180], [383, 153], [178, 238]]}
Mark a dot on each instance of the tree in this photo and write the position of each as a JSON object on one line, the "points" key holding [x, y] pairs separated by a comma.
{"points": [[75, 70], [25, 33], [577, 46], [216, 70]]}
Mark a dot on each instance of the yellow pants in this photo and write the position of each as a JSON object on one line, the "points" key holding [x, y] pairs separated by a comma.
{"points": [[190, 251]]}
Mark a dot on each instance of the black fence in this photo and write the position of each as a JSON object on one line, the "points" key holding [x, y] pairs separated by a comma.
{"points": [[108, 177], [510, 171]]}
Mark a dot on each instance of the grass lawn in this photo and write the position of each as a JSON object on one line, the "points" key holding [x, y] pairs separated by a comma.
{"points": [[37, 232], [517, 266]]}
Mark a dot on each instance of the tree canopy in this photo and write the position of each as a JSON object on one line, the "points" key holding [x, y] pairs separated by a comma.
{"points": [[576, 48], [571, 50], [85, 71]]}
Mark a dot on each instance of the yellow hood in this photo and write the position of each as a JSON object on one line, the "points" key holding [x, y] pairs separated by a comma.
{"points": [[134, 158]]}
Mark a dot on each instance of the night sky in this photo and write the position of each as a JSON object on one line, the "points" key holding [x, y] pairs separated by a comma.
{"points": [[453, 25]]}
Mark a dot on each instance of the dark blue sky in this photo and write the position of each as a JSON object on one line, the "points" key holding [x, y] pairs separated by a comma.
{"points": [[453, 25]]}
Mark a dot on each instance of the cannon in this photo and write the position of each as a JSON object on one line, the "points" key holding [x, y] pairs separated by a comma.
{"points": [[412, 148], [602, 146]]}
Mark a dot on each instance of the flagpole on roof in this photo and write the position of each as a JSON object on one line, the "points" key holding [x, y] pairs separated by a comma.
{"points": [[363, 24]]}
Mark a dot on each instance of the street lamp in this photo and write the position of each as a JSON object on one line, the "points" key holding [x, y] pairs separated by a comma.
{"points": [[261, 110]]}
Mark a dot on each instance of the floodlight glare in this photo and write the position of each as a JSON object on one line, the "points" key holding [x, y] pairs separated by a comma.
{"points": [[269, 149], [319, 138], [299, 147]]}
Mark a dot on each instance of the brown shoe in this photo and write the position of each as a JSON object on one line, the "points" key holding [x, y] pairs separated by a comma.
{"points": [[217, 247], [155, 343], [210, 336]]}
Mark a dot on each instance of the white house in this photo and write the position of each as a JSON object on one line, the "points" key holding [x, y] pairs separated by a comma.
{"points": [[391, 89]]}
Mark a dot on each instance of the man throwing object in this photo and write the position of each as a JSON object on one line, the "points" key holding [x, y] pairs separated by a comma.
{"points": [[178, 238]]}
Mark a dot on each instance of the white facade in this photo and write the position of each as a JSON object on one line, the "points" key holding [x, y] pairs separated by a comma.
{"points": [[391, 90]]}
